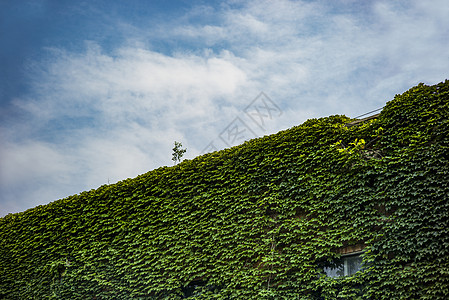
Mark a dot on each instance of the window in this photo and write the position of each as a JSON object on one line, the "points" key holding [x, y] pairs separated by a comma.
{"points": [[345, 266], [198, 288], [193, 289]]}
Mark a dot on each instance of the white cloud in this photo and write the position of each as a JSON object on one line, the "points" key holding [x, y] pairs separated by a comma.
{"points": [[28, 167], [96, 115], [22, 162]]}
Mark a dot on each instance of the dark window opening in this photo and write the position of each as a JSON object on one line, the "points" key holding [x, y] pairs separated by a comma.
{"points": [[347, 265], [199, 287], [193, 289]]}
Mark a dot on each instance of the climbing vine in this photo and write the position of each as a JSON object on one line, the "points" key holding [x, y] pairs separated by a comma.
{"points": [[256, 221]]}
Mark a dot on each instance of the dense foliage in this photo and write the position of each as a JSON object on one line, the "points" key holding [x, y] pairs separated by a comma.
{"points": [[256, 221]]}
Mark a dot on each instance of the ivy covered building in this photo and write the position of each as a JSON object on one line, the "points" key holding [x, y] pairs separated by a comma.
{"points": [[320, 211]]}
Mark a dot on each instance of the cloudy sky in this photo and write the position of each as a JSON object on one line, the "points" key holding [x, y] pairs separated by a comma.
{"points": [[97, 91]]}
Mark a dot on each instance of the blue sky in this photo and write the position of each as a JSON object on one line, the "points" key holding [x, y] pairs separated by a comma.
{"points": [[94, 91]]}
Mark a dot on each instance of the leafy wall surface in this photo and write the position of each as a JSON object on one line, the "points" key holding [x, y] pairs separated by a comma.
{"points": [[256, 221]]}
